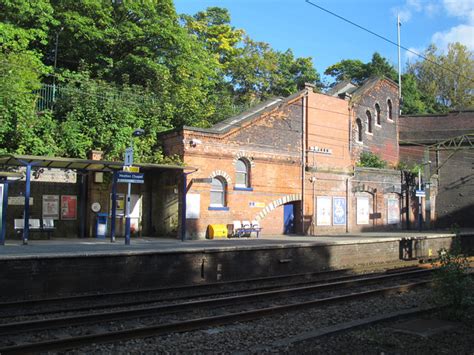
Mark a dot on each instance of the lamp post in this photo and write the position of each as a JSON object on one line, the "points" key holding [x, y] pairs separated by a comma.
{"points": [[129, 162]]}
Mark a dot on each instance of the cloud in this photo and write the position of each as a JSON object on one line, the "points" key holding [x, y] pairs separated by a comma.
{"points": [[413, 55], [463, 34], [413, 6]]}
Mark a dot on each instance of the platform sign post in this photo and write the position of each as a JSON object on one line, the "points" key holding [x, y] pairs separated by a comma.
{"points": [[3, 210]]}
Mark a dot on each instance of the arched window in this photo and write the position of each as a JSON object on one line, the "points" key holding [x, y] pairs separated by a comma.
{"points": [[369, 121], [389, 109], [242, 173], [358, 130], [377, 114], [218, 192]]}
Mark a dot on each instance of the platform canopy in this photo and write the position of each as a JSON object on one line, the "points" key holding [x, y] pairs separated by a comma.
{"points": [[10, 160]]}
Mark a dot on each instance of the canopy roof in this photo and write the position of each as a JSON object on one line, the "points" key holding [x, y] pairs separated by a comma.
{"points": [[77, 164]]}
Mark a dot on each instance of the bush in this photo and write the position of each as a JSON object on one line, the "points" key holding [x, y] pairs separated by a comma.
{"points": [[453, 285], [371, 160]]}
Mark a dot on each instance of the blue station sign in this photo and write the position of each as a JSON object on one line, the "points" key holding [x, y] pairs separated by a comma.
{"points": [[132, 178]]}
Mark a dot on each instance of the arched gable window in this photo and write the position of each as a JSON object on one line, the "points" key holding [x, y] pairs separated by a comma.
{"points": [[389, 110], [242, 173], [218, 192], [377, 114], [358, 130], [369, 121]]}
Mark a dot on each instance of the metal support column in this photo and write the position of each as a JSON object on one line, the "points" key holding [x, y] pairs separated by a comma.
{"points": [[114, 207], [3, 210]]}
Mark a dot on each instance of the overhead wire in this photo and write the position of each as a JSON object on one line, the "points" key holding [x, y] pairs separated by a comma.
{"points": [[387, 40]]}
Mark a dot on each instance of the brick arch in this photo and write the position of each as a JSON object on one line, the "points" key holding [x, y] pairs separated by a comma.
{"points": [[221, 173], [277, 203], [244, 155]]}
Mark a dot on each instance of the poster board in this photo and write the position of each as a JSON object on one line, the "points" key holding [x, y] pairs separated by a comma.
{"points": [[51, 206], [339, 211], [68, 207], [193, 206], [323, 217], [363, 210], [393, 211], [120, 210]]}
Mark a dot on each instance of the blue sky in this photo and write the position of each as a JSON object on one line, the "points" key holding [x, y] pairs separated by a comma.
{"points": [[310, 32]]}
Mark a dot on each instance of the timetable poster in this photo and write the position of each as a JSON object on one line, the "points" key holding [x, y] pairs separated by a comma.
{"points": [[363, 210], [324, 211], [51, 206]]}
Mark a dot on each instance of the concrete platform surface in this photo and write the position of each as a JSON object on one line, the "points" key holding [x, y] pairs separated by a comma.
{"points": [[91, 246]]}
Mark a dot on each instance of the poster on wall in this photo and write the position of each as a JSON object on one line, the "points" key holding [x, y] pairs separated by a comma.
{"points": [[323, 217], [339, 211], [68, 207], [120, 207], [363, 210], [193, 206], [1, 210], [51, 206], [393, 211]]}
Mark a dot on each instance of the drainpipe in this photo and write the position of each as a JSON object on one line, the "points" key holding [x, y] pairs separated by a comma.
{"points": [[303, 159]]}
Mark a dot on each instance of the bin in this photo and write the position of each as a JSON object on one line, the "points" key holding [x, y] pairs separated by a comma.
{"points": [[217, 231], [101, 225]]}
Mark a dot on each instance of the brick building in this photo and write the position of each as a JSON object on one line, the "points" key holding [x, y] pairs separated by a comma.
{"points": [[444, 145], [289, 163]]}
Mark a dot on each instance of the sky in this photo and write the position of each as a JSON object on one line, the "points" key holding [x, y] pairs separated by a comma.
{"points": [[311, 32]]}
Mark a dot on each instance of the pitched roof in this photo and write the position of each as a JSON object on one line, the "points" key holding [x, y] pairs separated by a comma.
{"points": [[246, 116], [344, 87]]}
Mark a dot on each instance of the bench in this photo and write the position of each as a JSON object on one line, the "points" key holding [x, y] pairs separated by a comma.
{"points": [[47, 226], [245, 228]]}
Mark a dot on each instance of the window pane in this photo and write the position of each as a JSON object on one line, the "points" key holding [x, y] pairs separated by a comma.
{"points": [[241, 179], [216, 185], [216, 198], [240, 166]]}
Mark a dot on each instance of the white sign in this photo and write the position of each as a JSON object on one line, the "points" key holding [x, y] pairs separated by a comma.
{"points": [[18, 200], [393, 211], [49, 175], [51, 206], [363, 210], [420, 193], [323, 217], [128, 161], [193, 206]]}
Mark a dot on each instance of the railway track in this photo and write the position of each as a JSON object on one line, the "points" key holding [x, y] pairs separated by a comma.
{"points": [[196, 314], [82, 303]]}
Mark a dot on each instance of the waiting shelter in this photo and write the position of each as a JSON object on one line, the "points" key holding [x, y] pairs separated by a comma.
{"points": [[67, 197]]}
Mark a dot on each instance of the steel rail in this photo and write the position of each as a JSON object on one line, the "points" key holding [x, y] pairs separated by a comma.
{"points": [[199, 323], [47, 324], [67, 308]]}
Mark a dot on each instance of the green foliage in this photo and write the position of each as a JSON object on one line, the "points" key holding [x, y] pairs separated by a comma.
{"points": [[453, 285], [357, 71], [371, 160], [413, 102], [441, 89]]}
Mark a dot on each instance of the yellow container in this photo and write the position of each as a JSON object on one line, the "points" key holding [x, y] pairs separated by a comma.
{"points": [[217, 231]]}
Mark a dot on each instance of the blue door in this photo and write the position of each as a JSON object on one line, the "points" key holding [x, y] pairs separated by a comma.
{"points": [[288, 219]]}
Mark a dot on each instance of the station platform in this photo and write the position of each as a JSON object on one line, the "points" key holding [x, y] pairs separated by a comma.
{"points": [[58, 267], [94, 246]]}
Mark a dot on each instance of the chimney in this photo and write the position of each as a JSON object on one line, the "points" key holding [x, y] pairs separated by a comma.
{"points": [[96, 155], [309, 86]]}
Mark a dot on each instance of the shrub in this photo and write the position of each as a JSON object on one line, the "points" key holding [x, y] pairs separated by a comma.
{"points": [[453, 285], [371, 160]]}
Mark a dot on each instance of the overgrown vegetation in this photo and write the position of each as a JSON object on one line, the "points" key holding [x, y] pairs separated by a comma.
{"points": [[371, 160], [454, 286], [122, 65]]}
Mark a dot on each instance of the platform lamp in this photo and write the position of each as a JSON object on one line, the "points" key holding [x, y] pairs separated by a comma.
{"points": [[128, 162]]}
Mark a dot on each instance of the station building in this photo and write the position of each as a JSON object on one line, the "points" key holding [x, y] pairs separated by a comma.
{"points": [[291, 164]]}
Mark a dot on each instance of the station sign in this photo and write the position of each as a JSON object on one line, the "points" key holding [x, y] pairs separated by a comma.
{"points": [[420, 193], [129, 177]]}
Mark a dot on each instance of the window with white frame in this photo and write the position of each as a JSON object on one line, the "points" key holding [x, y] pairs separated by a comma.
{"points": [[369, 121], [242, 173], [218, 192]]}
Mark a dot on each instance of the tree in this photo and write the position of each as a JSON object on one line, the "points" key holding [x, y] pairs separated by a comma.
{"points": [[357, 71], [412, 97], [445, 80]]}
